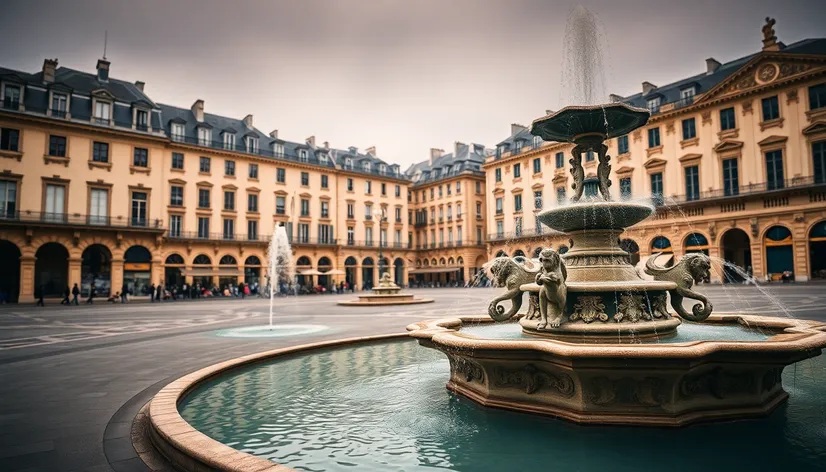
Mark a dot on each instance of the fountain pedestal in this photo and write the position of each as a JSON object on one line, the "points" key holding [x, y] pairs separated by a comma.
{"points": [[387, 293]]}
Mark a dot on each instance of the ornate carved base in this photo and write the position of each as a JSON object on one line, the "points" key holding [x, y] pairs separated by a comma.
{"points": [[604, 332]]}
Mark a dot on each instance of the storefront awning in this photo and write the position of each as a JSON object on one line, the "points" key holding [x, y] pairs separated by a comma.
{"points": [[309, 272], [434, 270]]}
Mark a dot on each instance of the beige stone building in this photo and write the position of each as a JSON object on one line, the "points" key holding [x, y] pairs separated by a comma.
{"points": [[734, 157]]}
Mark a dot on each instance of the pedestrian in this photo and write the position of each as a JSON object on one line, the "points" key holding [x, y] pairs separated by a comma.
{"points": [[91, 300], [185, 291], [75, 294], [66, 294], [39, 294], [159, 291], [241, 287], [123, 291], [152, 292]]}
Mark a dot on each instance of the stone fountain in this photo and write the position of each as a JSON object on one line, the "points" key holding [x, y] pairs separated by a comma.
{"points": [[593, 346], [386, 293]]}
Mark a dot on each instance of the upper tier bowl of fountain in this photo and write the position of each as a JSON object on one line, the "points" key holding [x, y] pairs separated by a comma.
{"points": [[572, 122]]}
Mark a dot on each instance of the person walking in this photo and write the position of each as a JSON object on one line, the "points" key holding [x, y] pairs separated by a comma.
{"points": [[39, 294], [159, 291], [66, 294], [91, 300], [123, 291], [152, 292], [241, 290], [75, 294], [185, 291]]}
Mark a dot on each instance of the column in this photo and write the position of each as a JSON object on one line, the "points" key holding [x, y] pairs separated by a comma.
{"points": [[406, 276], [188, 278], [714, 253], [358, 277], [117, 275], [800, 250], [74, 271], [26, 294], [466, 271], [758, 271], [157, 275]]}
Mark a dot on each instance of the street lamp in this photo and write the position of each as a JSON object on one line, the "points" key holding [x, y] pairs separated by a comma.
{"points": [[378, 213]]}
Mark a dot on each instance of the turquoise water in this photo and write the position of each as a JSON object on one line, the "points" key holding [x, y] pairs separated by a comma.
{"points": [[686, 332], [384, 407]]}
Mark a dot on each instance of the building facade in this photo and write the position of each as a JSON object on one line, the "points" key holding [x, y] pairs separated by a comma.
{"points": [[734, 158]]}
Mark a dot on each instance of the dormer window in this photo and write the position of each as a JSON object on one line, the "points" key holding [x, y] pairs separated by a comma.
{"points": [[251, 143], [437, 173], [60, 104], [302, 155], [141, 120], [687, 96], [365, 166], [448, 169], [348, 163], [103, 112], [417, 176], [204, 136], [278, 149], [382, 168], [178, 133], [229, 141], [11, 97], [537, 141], [654, 104], [322, 158], [517, 146]]}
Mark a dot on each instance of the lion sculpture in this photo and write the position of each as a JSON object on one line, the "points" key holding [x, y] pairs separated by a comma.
{"points": [[505, 272], [693, 268]]}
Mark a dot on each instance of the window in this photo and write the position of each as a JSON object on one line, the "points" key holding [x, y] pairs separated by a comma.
{"points": [[383, 237], [8, 199], [322, 158], [252, 202], [398, 215], [305, 179], [657, 188], [384, 189], [654, 105], [204, 136], [280, 175], [177, 160], [500, 229], [10, 139], [622, 144], [459, 186], [59, 105], [517, 171], [653, 137], [398, 237], [252, 171], [687, 96], [817, 96], [560, 195], [517, 225], [537, 141], [819, 157], [139, 203], [203, 227], [449, 212], [440, 191], [517, 146], [441, 213], [348, 163], [478, 209], [176, 195], [303, 232], [478, 235], [102, 112], [432, 215], [252, 230], [448, 189], [349, 185], [432, 193], [689, 129], [499, 151], [517, 202], [499, 204], [280, 205], [55, 203], [204, 165], [325, 234], [771, 108], [229, 200], [175, 223], [459, 210], [100, 152], [692, 183], [177, 131], [229, 168], [325, 209], [727, 119], [774, 169], [203, 198], [98, 206], [252, 144], [537, 199], [302, 155], [589, 156], [305, 207], [537, 165], [399, 190], [591, 188], [11, 97], [229, 141], [498, 174], [278, 149], [625, 188], [351, 235], [368, 187], [478, 187], [368, 236], [365, 166], [325, 181], [141, 120], [560, 160], [57, 146], [229, 228], [731, 179], [351, 211]]}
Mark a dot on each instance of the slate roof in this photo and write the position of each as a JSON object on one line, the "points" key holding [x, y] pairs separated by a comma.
{"points": [[466, 157]]}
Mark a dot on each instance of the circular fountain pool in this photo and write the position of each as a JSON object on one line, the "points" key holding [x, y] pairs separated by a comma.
{"points": [[383, 406]]}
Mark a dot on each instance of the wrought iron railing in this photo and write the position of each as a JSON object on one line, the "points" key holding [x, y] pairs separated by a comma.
{"points": [[75, 219]]}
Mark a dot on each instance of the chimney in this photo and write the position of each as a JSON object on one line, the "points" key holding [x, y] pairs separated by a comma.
{"points": [[248, 121], [310, 141], [548, 111], [371, 150], [103, 70], [456, 146], [435, 154], [274, 134], [353, 150], [326, 145], [614, 98], [647, 87], [515, 128], [139, 85], [49, 67], [198, 110], [712, 65]]}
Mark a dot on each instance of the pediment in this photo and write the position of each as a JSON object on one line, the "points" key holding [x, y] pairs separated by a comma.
{"points": [[177, 181], [624, 170], [204, 183], [560, 178], [141, 104], [203, 125], [229, 187], [498, 190], [516, 190], [102, 93], [690, 157], [728, 145], [773, 140], [281, 193], [763, 70], [306, 195], [228, 131], [178, 119], [817, 127], [654, 162], [253, 189], [537, 186]]}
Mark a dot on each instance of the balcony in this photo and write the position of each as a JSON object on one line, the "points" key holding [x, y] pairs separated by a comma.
{"points": [[523, 234], [58, 113], [142, 127], [314, 241], [216, 237], [743, 191], [11, 104], [357, 243], [100, 121], [80, 221]]}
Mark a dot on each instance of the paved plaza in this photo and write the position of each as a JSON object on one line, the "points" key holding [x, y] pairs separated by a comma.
{"points": [[74, 377]]}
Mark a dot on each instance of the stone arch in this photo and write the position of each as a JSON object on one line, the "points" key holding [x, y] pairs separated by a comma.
{"points": [[350, 261], [102, 241], [398, 271], [735, 248], [228, 260], [61, 239], [418, 262], [96, 268], [252, 261], [778, 244], [696, 241], [174, 259], [816, 239], [460, 260], [426, 263], [518, 253], [304, 261], [450, 261], [137, 268], [660, 243], [442, 261], [10, 253], [202, 259], [501, 253], [51, 269]]}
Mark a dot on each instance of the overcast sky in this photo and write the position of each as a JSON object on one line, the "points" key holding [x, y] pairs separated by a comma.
{"points": [[403, 76]]}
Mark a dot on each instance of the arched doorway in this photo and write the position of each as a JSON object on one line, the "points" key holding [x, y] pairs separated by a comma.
{"points": [[632, 248], [173, 271], [324, 265], [137, 270], [736, 249], [460, 275], [51, 269], [817, 250], [10, 275], [202, 271], [302, 264], [696, 242], [96, 268], [398, 266], [252, 273], [227, 271], [350, 270], [367, 273], [779, 252]]}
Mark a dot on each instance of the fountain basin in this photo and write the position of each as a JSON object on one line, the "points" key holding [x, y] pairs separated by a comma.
{"points": [[383, 297], [595, 215], [572, 122], [668, 384]]}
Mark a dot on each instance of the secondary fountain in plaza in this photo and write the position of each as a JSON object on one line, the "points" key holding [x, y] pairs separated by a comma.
{"points": [[386, 293]]}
